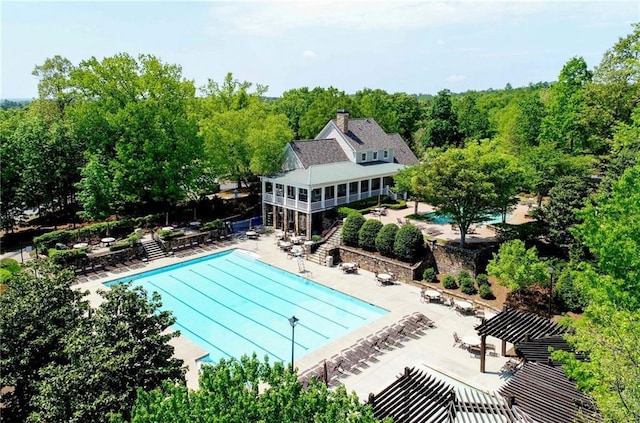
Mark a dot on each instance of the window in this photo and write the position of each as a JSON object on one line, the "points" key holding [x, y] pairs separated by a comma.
{"points": [[302, 194], [268, 187], [375, 184], [316, 195], [353, 188], [329, 192], [363, 157], [279, 190], [342, 190], [375, 155], [291, 192], [364, 186], [385, 154]]}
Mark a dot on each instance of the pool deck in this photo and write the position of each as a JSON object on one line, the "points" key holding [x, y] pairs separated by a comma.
{"points": [[433, 350]]}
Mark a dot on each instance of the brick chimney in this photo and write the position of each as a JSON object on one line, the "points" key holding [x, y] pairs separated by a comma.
{"points": [[342, 120]]}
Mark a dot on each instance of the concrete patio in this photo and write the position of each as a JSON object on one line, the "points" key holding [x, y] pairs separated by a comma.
{"points": [[434, 350]]}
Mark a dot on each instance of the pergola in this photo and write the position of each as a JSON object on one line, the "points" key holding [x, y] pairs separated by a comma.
{"points": [[417, 396], [511, 325], [546, 394], [537, 350]]}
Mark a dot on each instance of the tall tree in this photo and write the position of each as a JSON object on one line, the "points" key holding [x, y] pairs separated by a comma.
{"points": [[142, 108], [610, 328], [323, 109], [37, 311], [294, 104], [442, 125], [378, 104], [563, 123], [472, 121], [463, 184]]}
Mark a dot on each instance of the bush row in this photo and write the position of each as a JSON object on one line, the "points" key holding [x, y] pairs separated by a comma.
{"points": [[405, 243], [465, 282]]}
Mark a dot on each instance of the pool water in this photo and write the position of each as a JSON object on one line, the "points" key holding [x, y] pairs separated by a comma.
{"points": [[444, 220], [231, 304]]}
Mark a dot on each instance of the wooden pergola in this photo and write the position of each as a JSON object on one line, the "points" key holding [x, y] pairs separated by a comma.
{"points": [[537, 350], [547, 395], [417, 397], [511, 325]]}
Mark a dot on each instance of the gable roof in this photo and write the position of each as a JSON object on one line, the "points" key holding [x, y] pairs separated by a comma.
{"points": [[365, 134], [316, 152], [401, 152]]}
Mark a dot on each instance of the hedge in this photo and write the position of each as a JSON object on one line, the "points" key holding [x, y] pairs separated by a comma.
{"points": [[449, 282], [351, 229], [386, 239], [429, 274], [409, 243], [368, 233]]}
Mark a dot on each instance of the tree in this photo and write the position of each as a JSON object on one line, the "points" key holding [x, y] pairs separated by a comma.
{"points": [[463, 184], [294, 104], [38, 309], [351, 229], [563, 123], [386, 239], [368, 233], [565, 199], [231, 390], [409, 243], [610, 328], [473, 122], [68, 362], [121, 348], [442, 126], [530, 114], [378, 104], [323, 109], [517, 267], [135, 116]]}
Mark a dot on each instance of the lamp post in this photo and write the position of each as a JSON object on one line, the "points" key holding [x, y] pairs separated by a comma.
{"points": [[293, 320], [551, 270]]}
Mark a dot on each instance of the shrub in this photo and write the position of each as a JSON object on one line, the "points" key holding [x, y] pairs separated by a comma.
{"points": [[468, 286], [464, 275], [316, 238], [449, 282], [169, 234], [346, 211], [10, 265], [215, 224], [119, 246], [409, 243], [368, 233], [568, 294], [482, 279], [386, 239], [64, 257], [429, 274], [5, 275], [486, 292], [351, 229]]}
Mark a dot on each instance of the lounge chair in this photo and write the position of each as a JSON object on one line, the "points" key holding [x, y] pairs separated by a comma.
{"points": [[457, 341]]}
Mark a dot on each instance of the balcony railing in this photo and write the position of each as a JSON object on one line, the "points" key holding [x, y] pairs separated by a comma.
{"points": [[313, 206]]}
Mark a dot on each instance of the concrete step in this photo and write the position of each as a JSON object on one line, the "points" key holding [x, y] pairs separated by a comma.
{"points": [[152, 249]]}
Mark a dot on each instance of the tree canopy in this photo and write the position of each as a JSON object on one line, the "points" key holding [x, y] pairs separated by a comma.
{"points": [[246, 389]]}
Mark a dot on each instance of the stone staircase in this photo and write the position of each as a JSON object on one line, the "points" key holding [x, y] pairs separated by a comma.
{"points": [[152, 249], [319, 256]]}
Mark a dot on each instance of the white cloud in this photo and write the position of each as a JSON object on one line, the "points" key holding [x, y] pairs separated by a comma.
{"points": [[440, 42], [455, 78], [273, 17], [309, 54]]}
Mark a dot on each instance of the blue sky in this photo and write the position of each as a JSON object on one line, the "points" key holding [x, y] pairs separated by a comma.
{"points": [[396, 45]]}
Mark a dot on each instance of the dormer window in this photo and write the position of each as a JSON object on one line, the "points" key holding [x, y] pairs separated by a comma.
{"points": [[363, 157], [375, 155], [386, 154]]}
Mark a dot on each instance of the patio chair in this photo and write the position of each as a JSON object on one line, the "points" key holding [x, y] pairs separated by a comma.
{"points": [[474, 350], [491, 348], [458, 342]]}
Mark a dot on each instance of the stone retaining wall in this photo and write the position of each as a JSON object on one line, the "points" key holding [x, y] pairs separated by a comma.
{"points": [[380, 264], [451, 259]]}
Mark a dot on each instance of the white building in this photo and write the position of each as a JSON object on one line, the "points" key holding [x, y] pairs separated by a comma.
{"points": [[349, 160]]}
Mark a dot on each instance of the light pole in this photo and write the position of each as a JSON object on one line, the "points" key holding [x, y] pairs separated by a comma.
{"points": [[551, 269], [293, 320]]}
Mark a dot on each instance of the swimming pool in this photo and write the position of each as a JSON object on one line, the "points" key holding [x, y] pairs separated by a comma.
{"points": [[444, 220], [232, 304]]}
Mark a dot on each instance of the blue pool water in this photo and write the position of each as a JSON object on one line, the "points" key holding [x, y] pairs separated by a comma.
{"points": [[443, 220], [231, 304]]}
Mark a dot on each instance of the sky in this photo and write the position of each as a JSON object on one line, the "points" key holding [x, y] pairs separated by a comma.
{"points": [[395, 45]]}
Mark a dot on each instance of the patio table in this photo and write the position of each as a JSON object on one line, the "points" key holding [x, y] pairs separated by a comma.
{"points": [[432, 294], [80, 245], [108, 240]]}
